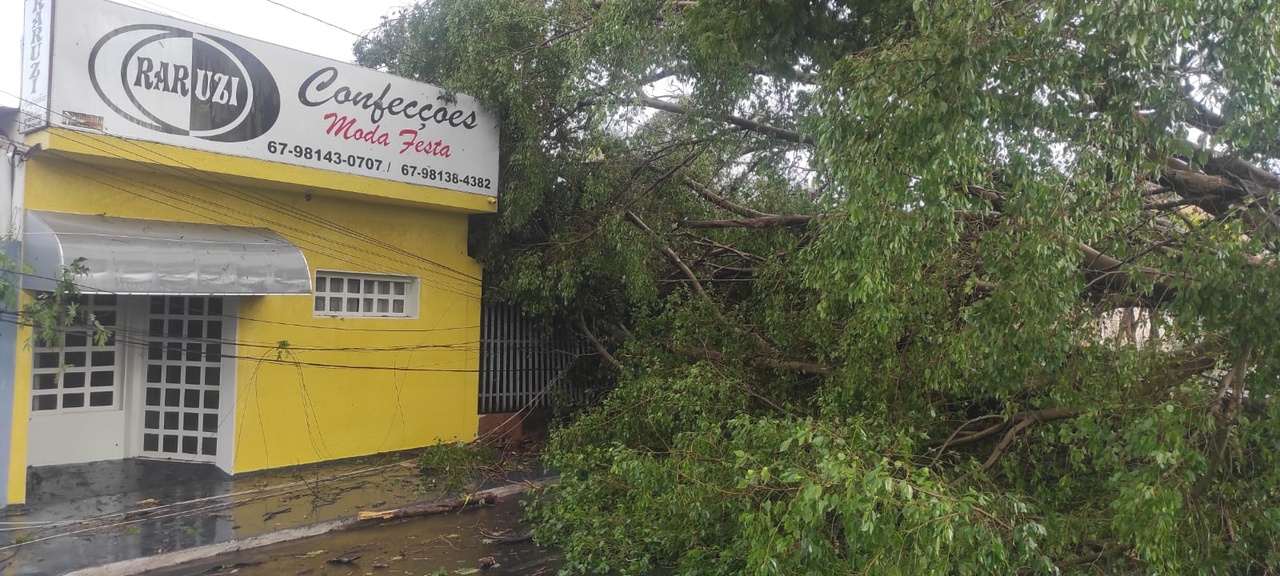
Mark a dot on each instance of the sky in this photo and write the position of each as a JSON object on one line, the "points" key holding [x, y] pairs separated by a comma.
{"points": [[263, 20]]}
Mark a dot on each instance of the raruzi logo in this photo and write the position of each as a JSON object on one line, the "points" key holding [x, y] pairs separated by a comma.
{"points": [[186, 83]]}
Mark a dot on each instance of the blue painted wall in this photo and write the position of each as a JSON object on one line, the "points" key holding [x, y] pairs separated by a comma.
{"points": [[8, 351]]}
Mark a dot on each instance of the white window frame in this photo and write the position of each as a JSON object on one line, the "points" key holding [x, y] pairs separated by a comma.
{"points": [[386, 290], [85, 369]]}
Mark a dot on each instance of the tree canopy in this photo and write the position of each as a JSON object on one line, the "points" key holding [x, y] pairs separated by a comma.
{"points": [[892, 287]]}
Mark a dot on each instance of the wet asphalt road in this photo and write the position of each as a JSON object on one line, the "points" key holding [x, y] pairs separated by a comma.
{"points": [[446, 544]]}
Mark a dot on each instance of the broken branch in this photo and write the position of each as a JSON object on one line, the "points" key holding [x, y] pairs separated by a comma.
{"points": [[1105, 553], [672, 256], [595, 343], [751, 125], [757, 222], [475, 499], [764, 362], [721, 201]]}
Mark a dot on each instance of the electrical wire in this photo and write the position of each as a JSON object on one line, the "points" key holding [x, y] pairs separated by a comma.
{"points": [[189, 352], [279, 208], [232, 190], [170, 12], [93, 290], [231, 500], [254, 493], [124, 334], [132, 188], [140, 336], [137, 189], [140, 342], [270, 204], [317, 19]]}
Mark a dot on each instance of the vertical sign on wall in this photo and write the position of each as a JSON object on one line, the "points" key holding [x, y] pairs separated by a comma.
{"points": [[36, 36]]}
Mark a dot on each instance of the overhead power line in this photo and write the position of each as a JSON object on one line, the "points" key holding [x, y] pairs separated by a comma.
{"points": [[461, 279], [229, 215], [267, 357], [165, 10], [317, 19], [91, 290]]}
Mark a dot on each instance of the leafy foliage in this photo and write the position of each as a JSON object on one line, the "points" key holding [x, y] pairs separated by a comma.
{"points": [[49, 314], [9, 275], [452, 467], [889, 287]]}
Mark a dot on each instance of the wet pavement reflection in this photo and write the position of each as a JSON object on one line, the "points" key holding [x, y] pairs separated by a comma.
{"points": [[460, 543], [87, 515]]}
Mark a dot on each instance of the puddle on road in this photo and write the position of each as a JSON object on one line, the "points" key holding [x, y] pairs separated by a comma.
{"points": [[455, 543]]}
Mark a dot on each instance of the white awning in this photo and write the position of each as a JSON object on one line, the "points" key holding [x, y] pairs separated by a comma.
{"points": [[135, 256]]}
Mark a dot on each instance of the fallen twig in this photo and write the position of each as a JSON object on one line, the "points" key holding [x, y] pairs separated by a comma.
{"points": [[505, 537], [272, 514], [482, 498]]}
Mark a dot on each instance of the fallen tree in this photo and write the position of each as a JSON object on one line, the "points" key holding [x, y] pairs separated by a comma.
{"points": [[891, 287]]}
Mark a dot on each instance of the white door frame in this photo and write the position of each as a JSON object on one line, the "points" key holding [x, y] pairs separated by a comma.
{"points": [[83, 434], [136, 375]]}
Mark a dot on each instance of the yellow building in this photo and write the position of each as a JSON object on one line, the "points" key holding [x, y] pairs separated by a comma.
{"points": [[275, 242]]}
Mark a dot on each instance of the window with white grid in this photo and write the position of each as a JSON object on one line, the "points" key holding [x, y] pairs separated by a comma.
{"points": [[345, 294], [79, 372]]}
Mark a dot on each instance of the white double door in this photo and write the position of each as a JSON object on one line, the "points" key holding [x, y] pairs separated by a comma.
{"points": [[162, 385]]}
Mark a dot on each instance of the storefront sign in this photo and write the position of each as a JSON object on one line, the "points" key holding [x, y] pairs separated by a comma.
{"points": [[133, 74], [34, 100]]}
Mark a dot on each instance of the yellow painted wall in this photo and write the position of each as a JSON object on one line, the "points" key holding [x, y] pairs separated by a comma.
{"points": [[223, 170], [17, 489], [290, 414]]}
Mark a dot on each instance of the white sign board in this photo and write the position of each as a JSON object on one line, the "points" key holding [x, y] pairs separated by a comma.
{"points": [[133, 74], [34, 101]]}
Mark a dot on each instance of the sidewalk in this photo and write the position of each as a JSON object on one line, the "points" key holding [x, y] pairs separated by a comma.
{"points": [[89, 515]]}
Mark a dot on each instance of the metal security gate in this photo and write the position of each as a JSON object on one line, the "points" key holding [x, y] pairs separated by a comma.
{"points": [[522, 361], [183, 387]]}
